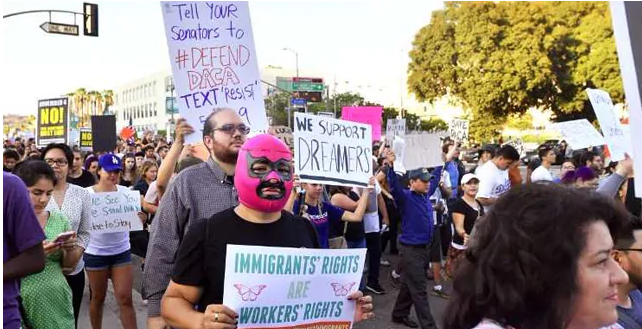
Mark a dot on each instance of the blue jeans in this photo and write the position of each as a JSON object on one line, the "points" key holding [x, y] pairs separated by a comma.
{"points": [[357, 245]]}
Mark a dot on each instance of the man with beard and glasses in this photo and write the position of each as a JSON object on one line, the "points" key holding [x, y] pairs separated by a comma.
{"points": [[628, 253], [197, 192], [264, 180]]}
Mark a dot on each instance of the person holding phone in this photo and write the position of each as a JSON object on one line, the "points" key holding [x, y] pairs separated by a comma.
{"points": [[46, 296]]}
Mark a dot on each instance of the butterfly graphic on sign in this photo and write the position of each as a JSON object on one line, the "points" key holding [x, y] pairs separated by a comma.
{"points": [[249, 294], [342, 289]]}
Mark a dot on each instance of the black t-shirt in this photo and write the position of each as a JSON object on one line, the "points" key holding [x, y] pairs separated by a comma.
{"points": [[355, 231], [86, 179], [470, 216], [141, 186], [201, 256], [124, 182]]}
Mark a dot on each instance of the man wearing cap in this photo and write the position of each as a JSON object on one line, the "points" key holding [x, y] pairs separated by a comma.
{"points": [[415, 239], [199, 191]]}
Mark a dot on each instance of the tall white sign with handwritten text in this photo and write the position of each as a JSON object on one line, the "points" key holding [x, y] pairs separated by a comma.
{"points": [[579, 133], [211, 48], [616, 138]]}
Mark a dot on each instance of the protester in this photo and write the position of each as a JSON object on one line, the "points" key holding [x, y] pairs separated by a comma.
{"points": [[466, 211], [627, 254], [77, 175], [140, 157], [150, 154], [108, 255], [176, 153], [493, 176], [594, 161], [23, 252], [46, 296], [543, 172], [486, 153], [390, 235], [91, 165], [198, 192], [75, 203], [416, 236], [140, 239], [323, 214], [582, 177], [567, 165], [130, 173], [264, 182], [9, 159], [441, 203], [540, 259], [372, 227], [162, 151]]}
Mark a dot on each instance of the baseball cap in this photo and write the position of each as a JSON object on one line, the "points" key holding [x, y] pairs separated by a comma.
{"points": [[421, 173], [110, 162], [468, 177]]}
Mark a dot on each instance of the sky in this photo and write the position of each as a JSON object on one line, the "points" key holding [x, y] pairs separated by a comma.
{"points": [[363, 42]]}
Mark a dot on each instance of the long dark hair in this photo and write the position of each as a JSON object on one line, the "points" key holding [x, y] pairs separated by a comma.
{"points": [[520, 268], [31, 171]]}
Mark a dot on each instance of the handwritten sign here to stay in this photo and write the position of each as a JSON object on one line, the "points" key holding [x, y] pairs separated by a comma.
{"points": [[616, 138], [579, 133], [365, 114], [115, 212], [289, 288], [211, 48], [395, 127], [332, 151], [459, 130]]}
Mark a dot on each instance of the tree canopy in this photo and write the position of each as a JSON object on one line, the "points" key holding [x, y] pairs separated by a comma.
{"points": [[502, 58]]}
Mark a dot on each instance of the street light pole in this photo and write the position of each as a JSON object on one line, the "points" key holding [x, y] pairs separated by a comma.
{"points": [[296, 57]]}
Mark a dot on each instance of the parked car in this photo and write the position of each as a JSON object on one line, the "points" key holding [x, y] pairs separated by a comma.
{"points": [[557, 147]]}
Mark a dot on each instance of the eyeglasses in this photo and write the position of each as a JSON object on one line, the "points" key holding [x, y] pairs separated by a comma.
{"points": [[230, 128], [630, 249], [59, 162]]}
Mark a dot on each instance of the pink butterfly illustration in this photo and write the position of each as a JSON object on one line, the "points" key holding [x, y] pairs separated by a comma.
{"points": [[340, 289], [249, 294]]}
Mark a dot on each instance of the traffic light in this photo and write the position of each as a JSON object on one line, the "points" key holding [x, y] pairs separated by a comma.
{"points": [[90, 11]]}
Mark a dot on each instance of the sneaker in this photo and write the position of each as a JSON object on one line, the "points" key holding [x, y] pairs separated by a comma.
{"points": [[384, 262], [439, 293], [395, 279], [376, 289], [405, 321]]}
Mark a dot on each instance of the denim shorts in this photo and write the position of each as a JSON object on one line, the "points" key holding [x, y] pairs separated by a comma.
{"points": [[98, 263]]}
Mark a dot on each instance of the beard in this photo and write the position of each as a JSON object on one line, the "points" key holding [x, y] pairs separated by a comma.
{"points": [[225, 155]]}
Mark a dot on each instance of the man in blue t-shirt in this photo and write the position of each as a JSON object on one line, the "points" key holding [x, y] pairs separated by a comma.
{"points": [[628, 253]]}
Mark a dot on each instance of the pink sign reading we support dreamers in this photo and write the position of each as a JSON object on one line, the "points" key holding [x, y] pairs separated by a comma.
{"points": [[365, 114]]}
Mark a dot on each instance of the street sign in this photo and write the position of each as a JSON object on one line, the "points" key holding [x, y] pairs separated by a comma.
{"points": [[59, 28], [307, 86], [298, 101], [171, 105], [90, 11]]}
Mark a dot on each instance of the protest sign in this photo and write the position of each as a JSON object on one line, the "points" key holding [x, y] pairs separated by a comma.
{"points": [[115, 212], [211, 47], [579, 133], [616, 139], [332, 151], [518, 144], [284, 133], [458, 129], [395, 127], [422, 150], [399, 148], [103, 133], [86, 139], [365, 114], [53, 121], [289, 288]]}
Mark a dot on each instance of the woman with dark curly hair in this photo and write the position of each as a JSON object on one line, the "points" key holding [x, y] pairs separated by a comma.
{"points": [[540, 259]]}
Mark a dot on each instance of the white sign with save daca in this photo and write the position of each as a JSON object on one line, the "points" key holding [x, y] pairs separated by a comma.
{"points": [[395, 127], [616, 138], [115, 212], [214, 65], [332, 151], [579, 133], [459, 130]]}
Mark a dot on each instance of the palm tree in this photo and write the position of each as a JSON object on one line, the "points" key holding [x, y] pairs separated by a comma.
{"points": [[79, 98], [95, 102], [108, 96]]}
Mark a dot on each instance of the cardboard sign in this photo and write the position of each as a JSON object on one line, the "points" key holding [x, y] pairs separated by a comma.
{"points": [[284, 133], [332, 151], [211, 48], [395, 127], [365, 114], [422, 150], [52, 124], [579, 133], [103, 133], [86, 139], [289, 288], [517, 143], [399, 147], [115, 212], [616, 138], [458, 130]]}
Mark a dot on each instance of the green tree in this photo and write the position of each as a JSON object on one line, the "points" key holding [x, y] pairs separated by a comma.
{"points": [[520, 121], [276, 106], [502, 58]]}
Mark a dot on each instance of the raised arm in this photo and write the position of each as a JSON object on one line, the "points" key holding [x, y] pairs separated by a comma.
{"points": [[166, 168], [357, 215]]}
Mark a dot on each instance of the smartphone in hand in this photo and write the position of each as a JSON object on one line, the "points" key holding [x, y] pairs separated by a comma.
{"points": [[62, 237]]}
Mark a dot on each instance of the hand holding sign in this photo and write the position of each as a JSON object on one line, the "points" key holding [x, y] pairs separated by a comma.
{"points": [[218, 316], [364, 308], [182, 128]]}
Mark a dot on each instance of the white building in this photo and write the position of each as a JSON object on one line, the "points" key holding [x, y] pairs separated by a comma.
{"points": [[144, 101]]}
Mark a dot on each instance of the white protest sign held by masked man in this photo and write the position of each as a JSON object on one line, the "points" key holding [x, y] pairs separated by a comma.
{"points": [[214, 65], [616, 138], [272, 287], [332, 151]]}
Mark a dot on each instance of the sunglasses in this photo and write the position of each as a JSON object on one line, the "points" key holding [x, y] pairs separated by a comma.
{"points": [[630, 249], [230, 128]]}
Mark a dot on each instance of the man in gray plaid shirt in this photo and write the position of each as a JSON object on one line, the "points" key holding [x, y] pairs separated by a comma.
{"points": [[197, 192]]}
